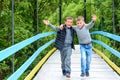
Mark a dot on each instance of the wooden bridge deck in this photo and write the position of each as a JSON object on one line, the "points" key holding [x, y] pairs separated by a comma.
{"points": [[100, 70]]}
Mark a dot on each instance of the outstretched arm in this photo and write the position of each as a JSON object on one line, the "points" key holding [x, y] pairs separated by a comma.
{"points": [[46, 22], [94, 17], [49, 24], [61, 27], [89, 25]]}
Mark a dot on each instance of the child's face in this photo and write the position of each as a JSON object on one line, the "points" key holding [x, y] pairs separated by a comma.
{"points": [[80, 23], [69, 22]]}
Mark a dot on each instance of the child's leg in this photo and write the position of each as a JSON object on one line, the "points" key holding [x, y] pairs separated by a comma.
{"points": [[83, 58], [88, 56], [68, 59], [63, 56]]}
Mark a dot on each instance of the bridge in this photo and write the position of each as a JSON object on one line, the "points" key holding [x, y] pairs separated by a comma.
{"points": [[48, 68], [102, 68]]}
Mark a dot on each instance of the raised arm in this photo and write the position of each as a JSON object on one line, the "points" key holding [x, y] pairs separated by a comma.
{"points": [[46, 22], [89, 25], [94, 17], [61, 27]]}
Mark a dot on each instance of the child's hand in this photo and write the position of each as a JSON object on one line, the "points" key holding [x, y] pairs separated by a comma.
{"points": [[46, 22], [94, 17], [61, 27]]}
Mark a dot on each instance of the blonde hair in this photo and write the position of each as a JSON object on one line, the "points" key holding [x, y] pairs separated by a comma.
{"points": [[69, 17], [79, 18]]}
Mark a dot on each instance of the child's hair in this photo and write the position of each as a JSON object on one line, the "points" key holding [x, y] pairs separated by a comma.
{"points": [[79, 18], [69, 17]]}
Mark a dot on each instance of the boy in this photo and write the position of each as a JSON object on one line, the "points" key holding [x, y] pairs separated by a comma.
{"points": [[84, 38], [64, 42]]}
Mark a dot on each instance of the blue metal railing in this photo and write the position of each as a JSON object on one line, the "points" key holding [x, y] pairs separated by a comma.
{"points": [[109, 35], [113, 51], [19, 72], [13, 49]]}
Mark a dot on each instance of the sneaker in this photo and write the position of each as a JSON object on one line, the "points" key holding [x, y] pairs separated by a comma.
{"points": [[67, 75], [82, 74], [87, 74], [64, 72]]}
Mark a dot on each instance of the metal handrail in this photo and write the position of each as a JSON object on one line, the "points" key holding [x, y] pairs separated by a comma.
{"points": [[109, 35], [19, 72], [15, 48], [113, 51]]}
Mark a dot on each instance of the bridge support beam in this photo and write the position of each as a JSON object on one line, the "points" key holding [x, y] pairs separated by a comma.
{"points": [[60, 12], [13, 34], [113, 14], [85, 10]]}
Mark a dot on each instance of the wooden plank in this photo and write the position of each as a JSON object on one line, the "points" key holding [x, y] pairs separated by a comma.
{"points": [[51, 70]]}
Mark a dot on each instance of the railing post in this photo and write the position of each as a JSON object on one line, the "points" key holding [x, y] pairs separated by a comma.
{"points": [[37, 23], [85, 10], [60, 12], [113, 20], [13, 34], [113, 17]]}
